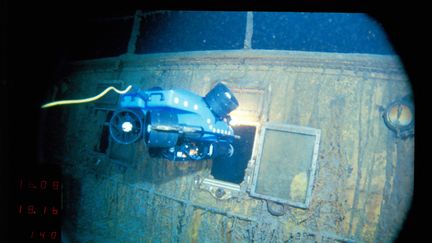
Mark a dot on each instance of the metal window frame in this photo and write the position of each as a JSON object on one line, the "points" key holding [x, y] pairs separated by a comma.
{"points": [[291, 129], [237, 189]]}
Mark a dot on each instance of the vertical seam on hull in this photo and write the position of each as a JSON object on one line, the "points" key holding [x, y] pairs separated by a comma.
{"points": [[249, 31]]}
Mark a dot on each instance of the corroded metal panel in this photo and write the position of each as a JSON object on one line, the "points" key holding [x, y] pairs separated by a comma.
{"points": [[286, 164], [365, 173]]}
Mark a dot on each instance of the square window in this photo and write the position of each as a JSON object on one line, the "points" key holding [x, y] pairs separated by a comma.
{"points": [[286, 164]]}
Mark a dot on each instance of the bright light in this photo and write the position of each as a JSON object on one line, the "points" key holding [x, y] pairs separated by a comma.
{"points": [[127, 126], [228, 95], [210, 150], [186, 103], [240, 119], [196, 107], [176, 100], [233, 122]]}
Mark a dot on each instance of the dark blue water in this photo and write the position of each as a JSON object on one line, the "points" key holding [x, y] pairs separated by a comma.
{"points": [[200, 30], [191, 31], [323, 32], [98, 39]]}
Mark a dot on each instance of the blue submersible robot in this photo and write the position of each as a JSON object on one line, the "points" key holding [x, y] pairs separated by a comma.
{"points": [[177, 124]]}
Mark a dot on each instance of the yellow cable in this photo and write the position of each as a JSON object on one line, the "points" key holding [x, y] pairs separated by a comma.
{"points": [[68, 102]]}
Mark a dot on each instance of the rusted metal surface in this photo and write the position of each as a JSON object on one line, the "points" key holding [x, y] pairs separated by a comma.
{"points": [[364, 173]]}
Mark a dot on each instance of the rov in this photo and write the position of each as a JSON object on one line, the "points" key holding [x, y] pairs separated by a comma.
{"points": [[177, 124]]}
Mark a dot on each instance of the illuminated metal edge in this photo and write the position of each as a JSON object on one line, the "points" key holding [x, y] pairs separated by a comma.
{"points": [[223, 184], [291, 129], [212, 185]]}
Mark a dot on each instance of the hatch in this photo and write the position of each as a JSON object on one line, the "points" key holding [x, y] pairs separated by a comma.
{"points": [[286, 163]]}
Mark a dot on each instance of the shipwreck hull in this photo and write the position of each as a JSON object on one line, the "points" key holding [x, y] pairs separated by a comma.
{"points": [[362, 180]]}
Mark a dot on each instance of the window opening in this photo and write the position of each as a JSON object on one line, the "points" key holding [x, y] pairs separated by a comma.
{"points": [[233, 169]]}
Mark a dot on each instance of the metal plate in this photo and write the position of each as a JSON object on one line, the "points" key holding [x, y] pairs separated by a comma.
{"points": [[286, 164]]}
